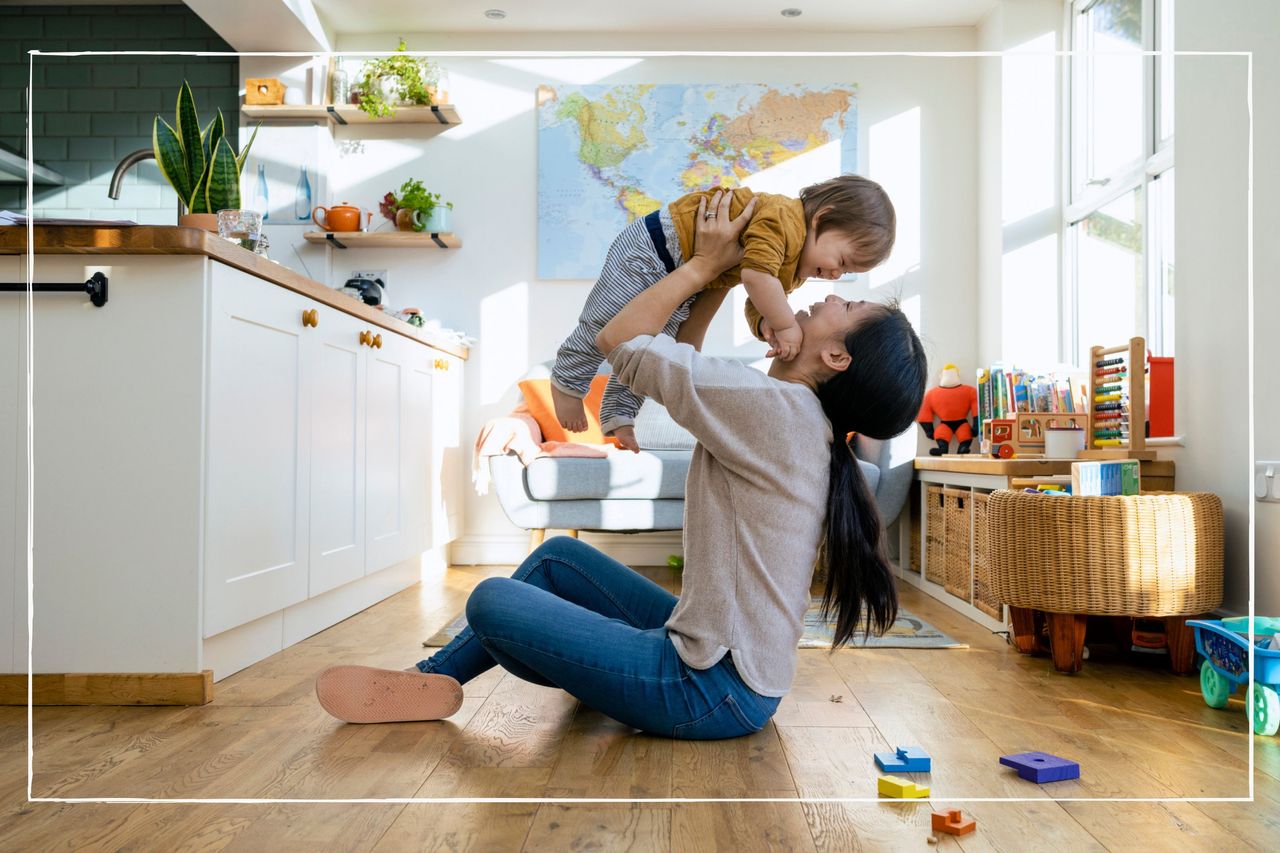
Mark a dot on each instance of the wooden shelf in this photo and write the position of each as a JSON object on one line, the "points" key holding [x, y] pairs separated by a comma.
{"points": [[385, 239], [439, 117]]}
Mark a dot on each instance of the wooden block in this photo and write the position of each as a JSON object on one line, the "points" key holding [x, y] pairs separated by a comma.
{"points": [[953, 822], [901, 789], [110, 688], [906, 759], [1041, 767], [263, 90]]}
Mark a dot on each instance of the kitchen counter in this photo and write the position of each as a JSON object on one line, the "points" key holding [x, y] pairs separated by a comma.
{"points": [[171, 240]]}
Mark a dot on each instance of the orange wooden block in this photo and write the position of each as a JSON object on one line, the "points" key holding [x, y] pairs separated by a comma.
{"points": [[953, 823], [263, 90]]}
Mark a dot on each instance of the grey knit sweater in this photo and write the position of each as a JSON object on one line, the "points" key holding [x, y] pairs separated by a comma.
{"points": [[755, 504]]}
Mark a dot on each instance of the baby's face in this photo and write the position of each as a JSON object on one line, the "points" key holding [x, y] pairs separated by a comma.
{"points": [[829, 256]]}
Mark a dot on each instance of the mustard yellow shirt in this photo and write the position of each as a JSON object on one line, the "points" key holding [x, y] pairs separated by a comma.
{"points": [[772, 240]]}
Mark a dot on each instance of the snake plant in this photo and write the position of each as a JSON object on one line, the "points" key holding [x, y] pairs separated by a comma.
{"points": [[200, 165]]}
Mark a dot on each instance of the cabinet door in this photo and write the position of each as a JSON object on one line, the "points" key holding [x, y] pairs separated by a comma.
{"points": [[13, 477], [386, 537], [418, 432], [448, 457], [336, 363], [257, 491]]}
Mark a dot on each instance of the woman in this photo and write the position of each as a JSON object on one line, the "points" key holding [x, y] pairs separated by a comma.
{"points": [[772, 486]]}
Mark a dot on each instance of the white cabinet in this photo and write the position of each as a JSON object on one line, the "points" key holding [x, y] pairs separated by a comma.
{"points": [[338, 419], [448, 453], [385, 439], [13, 466], [258, 469]]}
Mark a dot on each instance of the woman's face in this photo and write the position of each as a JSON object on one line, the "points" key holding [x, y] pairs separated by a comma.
{"points": [[832, 319]]}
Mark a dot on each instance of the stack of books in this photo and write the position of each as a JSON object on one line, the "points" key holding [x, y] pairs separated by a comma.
{"points": [[1118, 477]]}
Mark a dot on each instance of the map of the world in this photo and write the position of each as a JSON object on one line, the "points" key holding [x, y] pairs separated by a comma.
{"points": [[608, 154]]}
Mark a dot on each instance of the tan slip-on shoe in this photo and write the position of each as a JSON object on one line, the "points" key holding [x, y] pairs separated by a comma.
{"points": [[366, 694]]}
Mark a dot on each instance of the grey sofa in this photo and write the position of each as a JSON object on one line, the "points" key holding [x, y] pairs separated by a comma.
{"points": [[638, 492]]}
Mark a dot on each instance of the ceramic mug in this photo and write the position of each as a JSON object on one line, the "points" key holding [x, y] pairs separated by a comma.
{"points": [[340, 217]]}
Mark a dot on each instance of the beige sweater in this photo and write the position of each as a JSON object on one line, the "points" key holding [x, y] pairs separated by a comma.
{"points": [[755, 504]]}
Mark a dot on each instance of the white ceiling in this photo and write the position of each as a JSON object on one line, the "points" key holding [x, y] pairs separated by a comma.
{"points": [[711, 16]]}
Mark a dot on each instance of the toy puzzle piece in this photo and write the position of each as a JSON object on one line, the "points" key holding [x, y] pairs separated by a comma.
{"points": [[953, 822], [1041, 767], [899, 788], [907, 759]]}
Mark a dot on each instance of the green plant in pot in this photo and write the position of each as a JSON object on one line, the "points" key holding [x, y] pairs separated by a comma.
{"points": [[202, 166], [395, 79], [412, 208]]}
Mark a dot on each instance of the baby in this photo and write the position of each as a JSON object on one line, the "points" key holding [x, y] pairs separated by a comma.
{"points": [[842, 225]]}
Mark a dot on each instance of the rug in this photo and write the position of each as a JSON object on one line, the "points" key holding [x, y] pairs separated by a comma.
{"points": [[908, 632]]}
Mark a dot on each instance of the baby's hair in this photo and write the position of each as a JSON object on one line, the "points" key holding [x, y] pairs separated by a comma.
{"points": [[855, 206]]}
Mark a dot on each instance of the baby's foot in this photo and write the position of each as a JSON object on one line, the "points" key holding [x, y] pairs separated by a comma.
{"points": [[626, 436], [570, 412]]}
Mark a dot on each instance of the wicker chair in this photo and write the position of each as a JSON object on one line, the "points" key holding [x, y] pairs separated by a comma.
{"points": [[1152, 555]]}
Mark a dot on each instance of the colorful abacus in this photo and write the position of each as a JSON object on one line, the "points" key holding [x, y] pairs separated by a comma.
{"points": [[1118, 402]]}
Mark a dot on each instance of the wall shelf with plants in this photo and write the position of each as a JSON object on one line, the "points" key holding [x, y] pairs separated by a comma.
{"points": [[385, 239], [423, 220], [437, 117]]}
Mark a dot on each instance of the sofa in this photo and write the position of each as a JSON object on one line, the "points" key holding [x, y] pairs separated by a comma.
{"points": [[624, 492]]}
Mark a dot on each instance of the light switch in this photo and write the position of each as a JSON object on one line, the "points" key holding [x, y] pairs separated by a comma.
{"points": [[1266, 481]]}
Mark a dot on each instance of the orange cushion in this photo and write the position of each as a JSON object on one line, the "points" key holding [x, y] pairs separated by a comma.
{"points": [[537, 395]]}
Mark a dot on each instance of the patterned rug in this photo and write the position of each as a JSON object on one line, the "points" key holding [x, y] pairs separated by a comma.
{"points": [[908, 632]]}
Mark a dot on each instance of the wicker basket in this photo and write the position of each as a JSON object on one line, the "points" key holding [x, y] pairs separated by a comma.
{"points": [[984, 596], [955, 508], [935, 557], [1157, 554], [916, 529]]}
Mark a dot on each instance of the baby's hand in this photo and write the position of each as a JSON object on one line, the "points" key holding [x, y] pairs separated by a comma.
{"points": [[786, 342], [626, 436]]}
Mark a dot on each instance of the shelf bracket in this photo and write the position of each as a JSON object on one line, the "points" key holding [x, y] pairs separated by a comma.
{"points": [[435, 236], [334, 115], [334, 240], [435, 110], [95, 286]]}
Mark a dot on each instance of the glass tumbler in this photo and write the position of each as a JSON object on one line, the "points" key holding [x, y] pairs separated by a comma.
{"points": [[242, 227]]}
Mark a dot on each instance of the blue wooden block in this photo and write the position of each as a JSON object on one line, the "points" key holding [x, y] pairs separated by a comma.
{"points": [[1041, 767], [907, 759]]}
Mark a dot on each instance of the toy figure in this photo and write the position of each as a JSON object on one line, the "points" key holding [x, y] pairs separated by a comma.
{"points": [[952, 404]]}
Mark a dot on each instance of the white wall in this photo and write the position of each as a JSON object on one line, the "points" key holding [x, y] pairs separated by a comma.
{"points": [[1211, 138], [488, 168]]}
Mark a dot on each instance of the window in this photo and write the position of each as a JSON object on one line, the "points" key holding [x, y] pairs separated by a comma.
{"points": [[1119, 219]]}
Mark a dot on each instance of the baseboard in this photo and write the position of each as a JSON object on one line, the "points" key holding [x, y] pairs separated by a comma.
{"points": [[634, 549], [110, 688]]}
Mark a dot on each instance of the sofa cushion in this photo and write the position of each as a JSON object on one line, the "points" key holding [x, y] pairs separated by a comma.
{"points": [[656, 430], [648, 475]]}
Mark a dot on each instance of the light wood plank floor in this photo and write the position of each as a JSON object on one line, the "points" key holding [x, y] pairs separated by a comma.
{"points": [[1137, 732]]}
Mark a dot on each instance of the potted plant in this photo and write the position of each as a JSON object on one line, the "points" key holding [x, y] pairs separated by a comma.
{"points": [[396, 79], [415, 209], [201, 165]]}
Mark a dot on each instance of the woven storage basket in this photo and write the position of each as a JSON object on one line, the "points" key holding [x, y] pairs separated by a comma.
{"points": [[984, 596], [935, 557], [1157, 554], [916, 529], [955, 508]]}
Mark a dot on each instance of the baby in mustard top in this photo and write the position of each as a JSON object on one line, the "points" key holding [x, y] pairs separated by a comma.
{"points": [[846, 224]]}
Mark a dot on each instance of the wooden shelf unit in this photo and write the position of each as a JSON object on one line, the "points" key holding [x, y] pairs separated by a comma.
{"points": [[385, 239], [438, 117]]}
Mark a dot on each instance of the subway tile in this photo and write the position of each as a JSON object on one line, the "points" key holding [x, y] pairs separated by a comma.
{"points": [[143, 195], [164, 74], [113, 75], [211, 72], [13, 76], [91, 100], [138, 100], [24, 28], [115, 26], [90, 149], [86, 195], [10, 100], [50, 100], [71, 75], [114, 124], [50, 148], [113, 213], [13, 125], [100, 173], [67, 26], [9, 52], [74, 171], [67, 124], [158, 216], [10, 198]]}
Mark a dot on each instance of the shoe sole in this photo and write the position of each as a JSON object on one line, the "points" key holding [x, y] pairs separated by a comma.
{"points": [[366, 694]]}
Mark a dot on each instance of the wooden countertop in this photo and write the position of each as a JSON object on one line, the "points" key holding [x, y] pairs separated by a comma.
{"points": [[172, 240], [978, 464]]}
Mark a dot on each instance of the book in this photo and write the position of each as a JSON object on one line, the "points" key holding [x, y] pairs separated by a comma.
{"points": [[1111, 477]]}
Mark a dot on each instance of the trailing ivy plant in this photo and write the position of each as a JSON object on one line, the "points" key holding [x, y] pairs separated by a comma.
{"points": [[201, 165], [413, 80]]}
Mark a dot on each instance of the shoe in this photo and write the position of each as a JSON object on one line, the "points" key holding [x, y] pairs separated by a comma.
{"points": [[366, 694]]}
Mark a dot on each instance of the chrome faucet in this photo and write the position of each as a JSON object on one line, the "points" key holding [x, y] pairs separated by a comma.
{"points": [[130, 160]]}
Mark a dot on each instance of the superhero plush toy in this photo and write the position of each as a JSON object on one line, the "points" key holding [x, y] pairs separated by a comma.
{"points": [[952, 404]]}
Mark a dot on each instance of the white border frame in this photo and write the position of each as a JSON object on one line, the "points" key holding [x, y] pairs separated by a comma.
{"points": [[30, 347]]}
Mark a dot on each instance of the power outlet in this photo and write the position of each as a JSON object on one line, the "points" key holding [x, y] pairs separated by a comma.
{"points": [[1266, 481], [371, 274]]}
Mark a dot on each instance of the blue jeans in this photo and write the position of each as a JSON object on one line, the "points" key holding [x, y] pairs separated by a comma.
{"points": [[572, 618]]}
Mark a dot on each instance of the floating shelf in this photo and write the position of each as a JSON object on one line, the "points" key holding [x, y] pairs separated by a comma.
{"points": [[385, 239], [439, 116]]}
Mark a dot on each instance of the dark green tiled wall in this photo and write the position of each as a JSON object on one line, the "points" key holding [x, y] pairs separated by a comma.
{"points": [[89, 111]]}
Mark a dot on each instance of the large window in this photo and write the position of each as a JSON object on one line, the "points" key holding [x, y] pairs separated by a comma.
{"points": [[1119, 218]]}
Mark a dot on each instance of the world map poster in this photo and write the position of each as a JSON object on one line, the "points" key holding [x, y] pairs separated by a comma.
{"points": [[610, 153]]}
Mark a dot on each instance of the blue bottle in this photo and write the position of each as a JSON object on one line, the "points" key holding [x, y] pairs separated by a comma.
{"points": [[302, 198], [261, 201]]}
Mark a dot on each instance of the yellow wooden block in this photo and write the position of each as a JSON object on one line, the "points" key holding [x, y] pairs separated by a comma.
{"points": [[899, 788]]}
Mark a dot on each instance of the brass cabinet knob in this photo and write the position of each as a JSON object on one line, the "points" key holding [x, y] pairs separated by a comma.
{"points": [[310, 317], [442, 364], [366, 338], [377, 341]]}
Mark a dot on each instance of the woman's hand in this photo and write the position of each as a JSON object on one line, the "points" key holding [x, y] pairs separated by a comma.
{"points": [[715, 237]]}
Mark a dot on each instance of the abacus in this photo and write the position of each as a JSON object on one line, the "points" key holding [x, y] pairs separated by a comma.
{"points": [[1118, 402]]}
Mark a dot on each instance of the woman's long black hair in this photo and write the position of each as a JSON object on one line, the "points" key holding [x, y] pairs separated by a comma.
{"points": [[878, 396]]}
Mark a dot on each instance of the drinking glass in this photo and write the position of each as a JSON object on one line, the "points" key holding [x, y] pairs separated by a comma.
{"points": [[242, 227]]}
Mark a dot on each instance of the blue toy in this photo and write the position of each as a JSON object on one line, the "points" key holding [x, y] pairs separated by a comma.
{"points": [[1041, 767], [1224, 643], [907, 759]]}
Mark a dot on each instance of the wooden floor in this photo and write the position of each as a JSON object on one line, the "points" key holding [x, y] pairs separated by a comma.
{"points": [[1136, 732]]}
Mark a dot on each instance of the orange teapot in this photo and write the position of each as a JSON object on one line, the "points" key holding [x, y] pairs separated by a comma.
{"points": [[341, 217]]}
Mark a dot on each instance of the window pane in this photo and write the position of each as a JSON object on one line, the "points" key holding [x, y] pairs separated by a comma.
{"points": [[1108, 271], [1165, 83], [1109, 97], [1163, 301]]}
